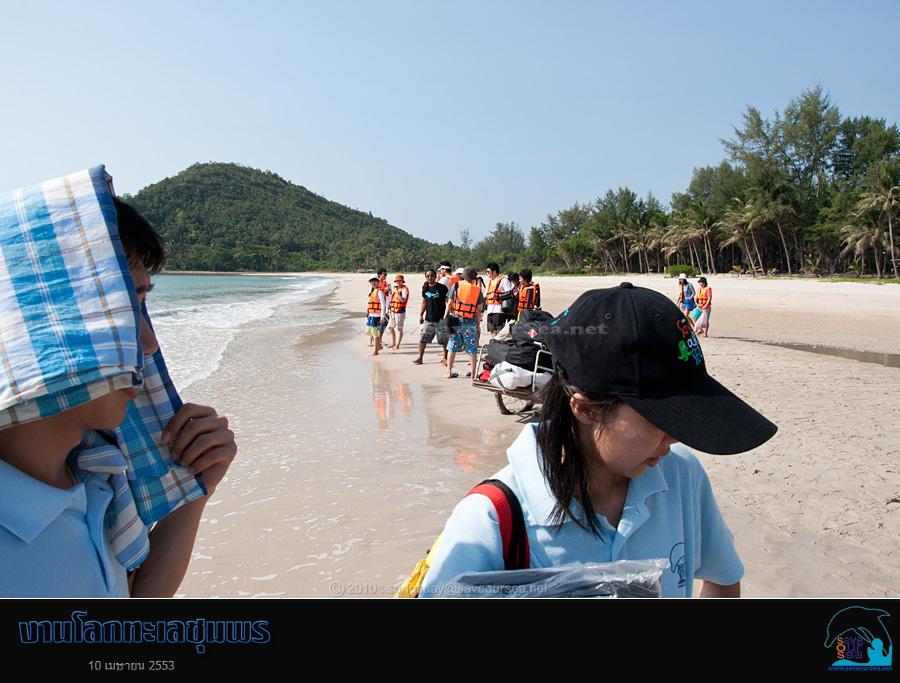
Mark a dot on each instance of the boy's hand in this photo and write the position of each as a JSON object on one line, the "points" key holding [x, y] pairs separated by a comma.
{"points": [[202, 442]]}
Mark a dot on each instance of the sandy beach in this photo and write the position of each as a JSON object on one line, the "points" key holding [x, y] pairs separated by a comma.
{"points": [[349, 465]]}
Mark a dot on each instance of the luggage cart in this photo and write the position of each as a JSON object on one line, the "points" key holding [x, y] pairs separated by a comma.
{"points": [[521, 401]]}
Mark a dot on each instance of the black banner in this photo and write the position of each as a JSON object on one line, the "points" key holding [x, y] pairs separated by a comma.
{"points": [[671, 637]]}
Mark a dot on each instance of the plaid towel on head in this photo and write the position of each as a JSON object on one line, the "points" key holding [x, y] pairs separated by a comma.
{"points": [[68, 323], [70, 333]]}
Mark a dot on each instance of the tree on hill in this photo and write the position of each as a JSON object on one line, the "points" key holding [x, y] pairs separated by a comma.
{"points": [[225, 216]]}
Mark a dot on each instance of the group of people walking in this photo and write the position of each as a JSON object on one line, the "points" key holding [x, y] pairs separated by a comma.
{"points": [[105, 473], [696, 304], [453, 305]]}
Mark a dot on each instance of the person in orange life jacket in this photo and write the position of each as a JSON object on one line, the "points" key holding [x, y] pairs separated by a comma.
{"points": [[397, 311], [382, 283], [529, 293], [431, 316], [465, 305], [456, 277], [497, 286], [376, 313], [601, 476], [702, 313]]}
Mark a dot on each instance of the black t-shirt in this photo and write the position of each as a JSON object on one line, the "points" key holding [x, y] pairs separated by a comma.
{"points": [[435, 301]]}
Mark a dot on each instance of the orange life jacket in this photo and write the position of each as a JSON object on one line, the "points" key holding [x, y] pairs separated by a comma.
{"points": [[453, 280], [493, 296], [397, 303], [374, 302], [526, 302], [703, 298], [466, 302]]}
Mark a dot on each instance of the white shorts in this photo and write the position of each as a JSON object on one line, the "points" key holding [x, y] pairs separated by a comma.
{"points": [[396, 321]]}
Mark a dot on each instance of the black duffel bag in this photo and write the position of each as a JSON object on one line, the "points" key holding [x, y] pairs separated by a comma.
{"points": [[522, 354], [520, 348]]}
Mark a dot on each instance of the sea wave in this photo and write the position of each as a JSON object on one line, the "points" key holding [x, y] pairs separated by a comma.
{"points": [[194, 336]]}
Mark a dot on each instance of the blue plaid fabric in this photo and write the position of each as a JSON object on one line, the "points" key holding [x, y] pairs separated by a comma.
{"points": [[68, 323], [70, 333], [159, 486]]}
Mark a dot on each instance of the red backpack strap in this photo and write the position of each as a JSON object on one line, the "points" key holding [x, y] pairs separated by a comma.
{"points": [[512, 522]]}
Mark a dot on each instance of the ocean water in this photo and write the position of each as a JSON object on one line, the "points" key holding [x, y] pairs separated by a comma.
{"points": [[196, 317]]}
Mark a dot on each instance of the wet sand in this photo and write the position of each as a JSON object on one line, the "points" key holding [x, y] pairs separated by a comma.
{"points": [[349, 465]]}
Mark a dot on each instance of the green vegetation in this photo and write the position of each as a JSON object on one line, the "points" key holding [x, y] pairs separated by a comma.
{"points": [[679, 268], [805, 192], [229, 217], [867, 280]]}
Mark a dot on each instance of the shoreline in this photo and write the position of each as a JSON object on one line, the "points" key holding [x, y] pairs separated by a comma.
{"points": [[349, 465], [837, 278], [328, 496]]}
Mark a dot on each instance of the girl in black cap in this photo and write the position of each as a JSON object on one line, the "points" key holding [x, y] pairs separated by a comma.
{"points": [[602, 476]]}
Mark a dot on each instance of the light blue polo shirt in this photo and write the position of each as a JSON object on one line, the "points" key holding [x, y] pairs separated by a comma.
{"points": [[53, 542], [670, 512]]}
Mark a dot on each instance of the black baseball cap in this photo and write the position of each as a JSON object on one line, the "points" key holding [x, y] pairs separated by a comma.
{"points": [[633, 343]]}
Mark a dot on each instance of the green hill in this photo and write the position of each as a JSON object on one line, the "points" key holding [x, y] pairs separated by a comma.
{"points": [[228, 217]]}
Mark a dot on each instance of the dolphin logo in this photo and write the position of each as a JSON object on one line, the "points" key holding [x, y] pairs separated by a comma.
{"points": [[864, 622], [677, 563]]}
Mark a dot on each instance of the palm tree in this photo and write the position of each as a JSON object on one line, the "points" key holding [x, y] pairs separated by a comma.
{"points": [[776, 211], [673, 241], [757, 217], [734, 225], [656, 242], [883, 197], [701, 226], [858, 238], [640, 245], [601, 251], [624, 232]]}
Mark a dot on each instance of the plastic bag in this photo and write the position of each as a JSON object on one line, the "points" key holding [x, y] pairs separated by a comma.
{"points": [[622, 579], [508, 376]]}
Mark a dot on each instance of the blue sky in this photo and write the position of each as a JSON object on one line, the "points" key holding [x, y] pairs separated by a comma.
{"points": [[436, 116]]}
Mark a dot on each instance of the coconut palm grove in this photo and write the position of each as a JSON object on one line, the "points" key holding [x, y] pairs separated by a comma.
{"points": [[803, 191]]}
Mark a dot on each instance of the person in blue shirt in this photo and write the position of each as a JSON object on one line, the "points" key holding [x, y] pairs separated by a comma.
{"points": [[602, 476], [53, 540]]}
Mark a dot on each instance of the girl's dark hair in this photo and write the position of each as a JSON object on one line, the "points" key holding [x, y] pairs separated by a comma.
{"points": [[139, 239], [430, 270], [563, 459]]}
